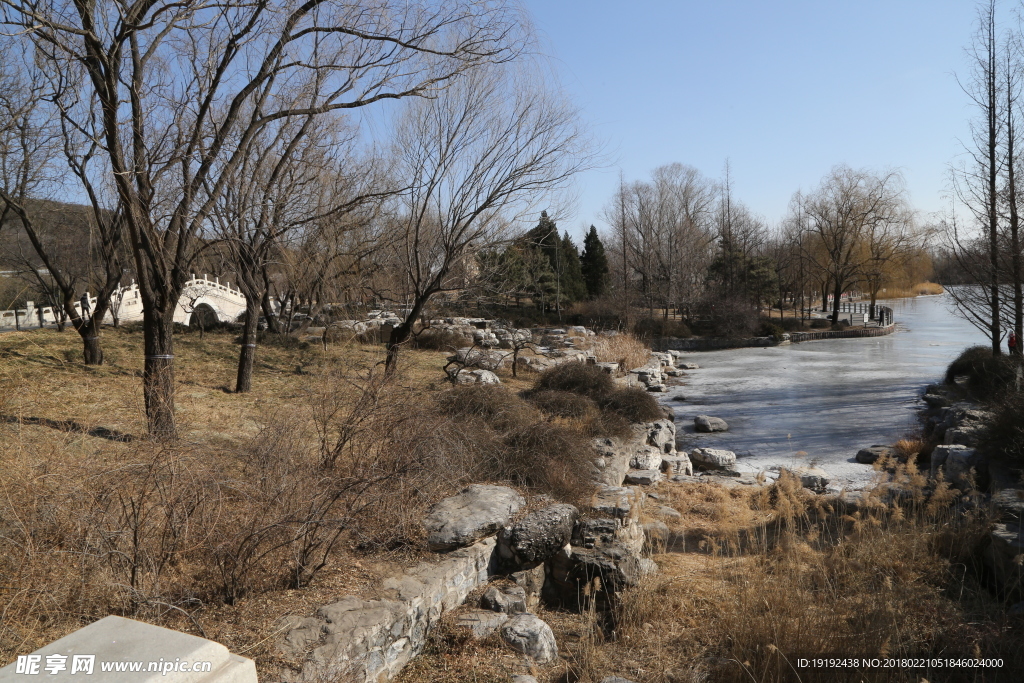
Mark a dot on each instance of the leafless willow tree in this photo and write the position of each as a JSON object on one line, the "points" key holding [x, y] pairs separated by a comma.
{"points": [[476, 158], [181, 89], [848, 210]]}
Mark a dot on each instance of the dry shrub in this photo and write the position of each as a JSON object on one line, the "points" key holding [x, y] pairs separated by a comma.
{"points": [[153, 530], [1005, 434], [503, 438], [491, 403], [439, 340], [563, 404], [634, 404], [624, 349], [607, 423], [578, 378], [547, 458]]}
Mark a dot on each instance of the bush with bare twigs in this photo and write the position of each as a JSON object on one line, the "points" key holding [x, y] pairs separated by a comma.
{"points": [[578, 378], [634, 404], [563, 404]]}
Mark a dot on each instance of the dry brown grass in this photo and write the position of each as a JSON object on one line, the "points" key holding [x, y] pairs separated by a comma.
{"points": [[775, 574], [920, 289], [623, 348], [272, 502]]}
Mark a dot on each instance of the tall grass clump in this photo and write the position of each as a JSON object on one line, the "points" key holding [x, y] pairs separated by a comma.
{"points": [[622, 348]]}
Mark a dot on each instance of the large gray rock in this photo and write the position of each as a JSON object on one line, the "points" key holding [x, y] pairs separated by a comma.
{"points": [[679, 463], [481, 622], [713, 458], [615, 679], [532, 582], [667, 512], [868, 456], [643, 477], [616, 501], [477, 512], [615, 564], [647, 458], [661, 434], [813, 478], [951, 458], [706, 424], [957, 461], [1010, 504], [509, 600], [531, 636], [537, 536], [477, 377]]}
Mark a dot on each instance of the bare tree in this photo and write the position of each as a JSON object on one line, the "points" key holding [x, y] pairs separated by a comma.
{"points": [[291, 181], [976, 183], [181, 89], [476, 158], [664, 230], [73, 249]]}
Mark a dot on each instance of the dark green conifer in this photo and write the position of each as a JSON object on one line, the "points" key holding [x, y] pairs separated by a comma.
{"points": [[594, 265]]}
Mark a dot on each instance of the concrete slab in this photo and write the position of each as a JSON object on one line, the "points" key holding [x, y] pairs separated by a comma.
{"points": [[116, 650]]}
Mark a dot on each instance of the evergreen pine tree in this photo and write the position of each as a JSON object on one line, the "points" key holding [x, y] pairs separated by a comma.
{"points": [[573, 286], [594, 265], [545, 238]]}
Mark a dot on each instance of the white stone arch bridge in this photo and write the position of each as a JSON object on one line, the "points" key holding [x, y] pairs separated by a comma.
{"points": [[209, 298]]}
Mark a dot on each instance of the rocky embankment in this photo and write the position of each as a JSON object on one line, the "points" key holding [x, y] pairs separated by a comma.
{"points": [[960, 426]]}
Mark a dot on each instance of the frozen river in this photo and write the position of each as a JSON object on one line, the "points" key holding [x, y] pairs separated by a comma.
{"points": [[822, 401]]}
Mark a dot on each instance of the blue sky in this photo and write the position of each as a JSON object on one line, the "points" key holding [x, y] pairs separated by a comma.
{"points": [[783, 89]]}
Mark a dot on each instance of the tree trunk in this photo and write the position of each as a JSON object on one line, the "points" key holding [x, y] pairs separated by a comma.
{"points": [[401, 334], [92, 351], [838, 295], [247, 353], [158, 372]]}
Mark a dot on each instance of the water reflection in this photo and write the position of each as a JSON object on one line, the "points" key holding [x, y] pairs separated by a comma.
{"points": [[823, 400]]}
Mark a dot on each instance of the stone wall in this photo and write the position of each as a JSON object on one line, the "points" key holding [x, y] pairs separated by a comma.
{"points": [[371, 640]]}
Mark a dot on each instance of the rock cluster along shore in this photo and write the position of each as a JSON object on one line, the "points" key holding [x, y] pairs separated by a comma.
{"points": [[960, 459], [563, 554], [558, 553]]}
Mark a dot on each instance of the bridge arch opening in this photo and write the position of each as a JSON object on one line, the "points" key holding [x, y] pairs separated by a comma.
{"points": [[203, 316]]}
